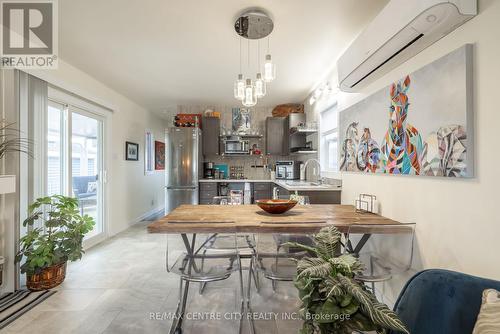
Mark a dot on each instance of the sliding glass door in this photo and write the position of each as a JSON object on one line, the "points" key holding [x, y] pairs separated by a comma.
{"points": [[74, 159]]}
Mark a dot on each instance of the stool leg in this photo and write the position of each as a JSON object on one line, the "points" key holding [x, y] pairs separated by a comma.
{"points": [[248, 297]]}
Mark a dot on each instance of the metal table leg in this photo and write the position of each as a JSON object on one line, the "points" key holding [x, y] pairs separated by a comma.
{"points": [[359, 246]]}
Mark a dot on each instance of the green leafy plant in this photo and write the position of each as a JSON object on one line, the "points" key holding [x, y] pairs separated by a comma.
{"points": [[10, 141], [55, 233], [332, 300]]}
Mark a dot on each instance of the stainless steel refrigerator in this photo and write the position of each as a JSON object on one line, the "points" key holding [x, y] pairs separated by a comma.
{"points": [[183, 157]]}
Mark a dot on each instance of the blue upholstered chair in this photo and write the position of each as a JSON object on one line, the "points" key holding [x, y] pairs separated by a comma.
{"points": [[441, 301], [86, 195]]}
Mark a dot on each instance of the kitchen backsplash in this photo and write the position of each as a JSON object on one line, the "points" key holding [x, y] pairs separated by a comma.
{"points": [[258, 122]]}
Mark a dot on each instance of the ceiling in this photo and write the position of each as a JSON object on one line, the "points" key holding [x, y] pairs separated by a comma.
{"points": [[162, 53]]}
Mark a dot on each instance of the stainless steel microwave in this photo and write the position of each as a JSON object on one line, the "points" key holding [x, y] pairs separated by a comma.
{"points": [[236, 146]]}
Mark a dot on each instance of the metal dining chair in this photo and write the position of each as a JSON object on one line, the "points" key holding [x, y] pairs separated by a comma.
{"points": [[385, 250], [194, 266]]}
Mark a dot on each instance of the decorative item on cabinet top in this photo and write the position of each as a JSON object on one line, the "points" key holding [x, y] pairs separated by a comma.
{"points": [[187, 120], [282, 110], [211, 113]]}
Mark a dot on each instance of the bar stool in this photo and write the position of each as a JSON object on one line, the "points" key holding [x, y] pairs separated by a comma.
{"points": [[386, 250], [245, 243], [195, 267]]}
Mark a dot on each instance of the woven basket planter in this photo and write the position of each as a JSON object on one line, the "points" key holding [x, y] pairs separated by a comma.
{"points": [[48, 278]]}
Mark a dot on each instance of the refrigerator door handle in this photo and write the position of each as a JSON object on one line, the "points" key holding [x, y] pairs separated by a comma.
{"points": [[183, 188]]}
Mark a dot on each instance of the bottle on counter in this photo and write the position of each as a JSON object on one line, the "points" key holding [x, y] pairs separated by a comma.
{"points": [[302, 172], [247, 194]]}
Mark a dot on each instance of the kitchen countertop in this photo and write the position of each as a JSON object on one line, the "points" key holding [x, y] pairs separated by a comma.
{"points": [[235, 180], [290, 185]]}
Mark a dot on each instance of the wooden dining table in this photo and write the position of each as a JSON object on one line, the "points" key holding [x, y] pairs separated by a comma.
{"points": [[302, 219]]}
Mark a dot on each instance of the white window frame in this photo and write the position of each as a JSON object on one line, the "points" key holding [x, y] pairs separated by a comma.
{"points": [[322, 150], [149, 152]]}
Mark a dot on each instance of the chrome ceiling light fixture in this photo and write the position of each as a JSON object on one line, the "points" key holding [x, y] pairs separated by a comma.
{"points": [[254, 24]]}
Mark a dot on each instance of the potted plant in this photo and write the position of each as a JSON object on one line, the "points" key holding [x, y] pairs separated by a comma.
{"points": [[332, 300], [11, 142], [55, 235]]}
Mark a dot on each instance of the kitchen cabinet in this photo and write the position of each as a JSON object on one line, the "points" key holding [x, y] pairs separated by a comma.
{"points": [[262, 190], [210, 136], [294, 121], [322, 197], [207, 192], [276, 136], [315, 197]]}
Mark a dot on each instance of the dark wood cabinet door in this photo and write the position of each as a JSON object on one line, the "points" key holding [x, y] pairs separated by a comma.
{"points": [[210, 136], [322, 197], [276, 136], [262, 191]]}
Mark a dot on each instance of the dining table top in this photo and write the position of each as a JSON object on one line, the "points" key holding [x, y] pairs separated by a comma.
{"points": [[252, 219]]}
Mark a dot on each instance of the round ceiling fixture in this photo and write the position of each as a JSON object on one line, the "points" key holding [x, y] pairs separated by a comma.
{"points": [[253, 24]]}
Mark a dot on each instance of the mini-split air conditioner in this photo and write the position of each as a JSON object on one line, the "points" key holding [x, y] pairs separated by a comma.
{"points": [[401, 30]]}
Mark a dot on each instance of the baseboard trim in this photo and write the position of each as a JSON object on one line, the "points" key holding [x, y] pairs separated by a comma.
{"points": [[147, 214]]}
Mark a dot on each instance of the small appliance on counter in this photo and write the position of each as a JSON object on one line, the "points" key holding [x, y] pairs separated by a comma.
{"points": [[223, 172], [208, 170], [288, 170]]}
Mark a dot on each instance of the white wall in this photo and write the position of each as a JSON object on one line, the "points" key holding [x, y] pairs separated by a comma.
{"points": [[458, 224], [131, 193]]}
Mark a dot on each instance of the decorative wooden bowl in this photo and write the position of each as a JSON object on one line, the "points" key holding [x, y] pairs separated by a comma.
{"points": [[276, 206]]}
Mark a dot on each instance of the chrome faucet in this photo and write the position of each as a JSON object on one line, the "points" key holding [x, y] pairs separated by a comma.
{"points": [[304, 169]]}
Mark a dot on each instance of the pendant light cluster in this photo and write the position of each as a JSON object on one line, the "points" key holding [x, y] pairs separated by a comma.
{"points": [[254, 25]]}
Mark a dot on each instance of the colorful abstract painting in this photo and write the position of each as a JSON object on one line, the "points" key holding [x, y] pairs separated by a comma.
{"points": [[419, 125], [159, 155]]}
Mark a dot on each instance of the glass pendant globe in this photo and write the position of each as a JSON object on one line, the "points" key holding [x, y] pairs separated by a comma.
{"points": [[239, 88], [269, 70], [260, 86], [250, 98]]}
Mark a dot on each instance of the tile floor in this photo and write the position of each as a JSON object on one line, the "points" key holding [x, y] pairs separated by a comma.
{"points": [[119, 284]]}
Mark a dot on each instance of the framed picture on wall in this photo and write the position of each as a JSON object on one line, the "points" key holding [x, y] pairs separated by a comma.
{"points": [[131, 151], [159, 155]]}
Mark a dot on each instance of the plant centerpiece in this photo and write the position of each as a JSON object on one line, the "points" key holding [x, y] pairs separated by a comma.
{"points": [[332, 300], [55, 235]]}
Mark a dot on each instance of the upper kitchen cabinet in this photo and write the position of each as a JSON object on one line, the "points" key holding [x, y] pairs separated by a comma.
{"points": [[298, 133], [210, 135], [276, 136]]}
